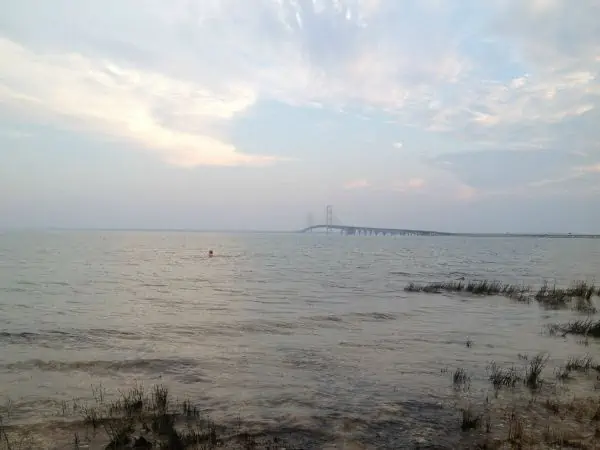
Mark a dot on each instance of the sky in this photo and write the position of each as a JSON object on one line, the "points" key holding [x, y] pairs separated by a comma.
{"points": [[449, 115]]}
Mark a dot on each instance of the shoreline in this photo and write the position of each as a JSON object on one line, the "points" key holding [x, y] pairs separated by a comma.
{"points": [[526, 403]]}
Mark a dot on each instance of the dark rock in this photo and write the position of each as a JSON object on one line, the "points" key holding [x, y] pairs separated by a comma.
{"points": [[142, 443]]}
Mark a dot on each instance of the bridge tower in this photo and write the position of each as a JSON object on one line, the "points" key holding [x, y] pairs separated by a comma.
{"points": [[328, 217]]}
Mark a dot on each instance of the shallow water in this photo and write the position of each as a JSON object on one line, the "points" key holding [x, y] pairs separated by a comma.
{"points": [[305, 329]]}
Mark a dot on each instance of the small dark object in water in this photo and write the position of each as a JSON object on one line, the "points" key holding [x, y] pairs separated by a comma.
{"points": [[210, 254]]}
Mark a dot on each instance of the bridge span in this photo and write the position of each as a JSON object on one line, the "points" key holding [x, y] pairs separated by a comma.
{"points": [[353, 230], [372, 231]]}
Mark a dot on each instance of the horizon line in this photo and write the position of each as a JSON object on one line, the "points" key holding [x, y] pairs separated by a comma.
{"points": [[299, 231]]}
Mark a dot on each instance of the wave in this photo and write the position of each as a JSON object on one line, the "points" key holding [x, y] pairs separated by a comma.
{"points": [[94, 336], [374, 316], [151, 365]]}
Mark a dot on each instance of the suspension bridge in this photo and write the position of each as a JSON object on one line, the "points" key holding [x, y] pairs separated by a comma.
{"points": [[333, 224]]}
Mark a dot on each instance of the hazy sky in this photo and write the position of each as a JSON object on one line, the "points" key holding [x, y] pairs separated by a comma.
{"points": [[459, 115]]}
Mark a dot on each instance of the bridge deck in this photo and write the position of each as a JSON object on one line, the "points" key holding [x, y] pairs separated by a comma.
{"points": [[352, 230]]}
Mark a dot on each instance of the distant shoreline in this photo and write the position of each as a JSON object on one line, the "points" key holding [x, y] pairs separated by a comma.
{"points": [[192, 230]]}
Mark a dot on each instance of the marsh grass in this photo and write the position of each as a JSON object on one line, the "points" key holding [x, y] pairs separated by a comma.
{"points": [[552, 418], [136, 419], [503, 377], [533, 372], [530, 375], [460, 378], [578, 295], [562, 374], [586, 328], [483, 287], [582, 364]]}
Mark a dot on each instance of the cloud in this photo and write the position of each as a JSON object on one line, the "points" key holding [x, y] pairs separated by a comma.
{"points": [[497, 171], [398, 145], [594, 168], [357, 184], [145, 108], [169, 76], [412, 184]]}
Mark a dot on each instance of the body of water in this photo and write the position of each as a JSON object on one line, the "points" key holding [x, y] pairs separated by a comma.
{"points": [[309, 331]]}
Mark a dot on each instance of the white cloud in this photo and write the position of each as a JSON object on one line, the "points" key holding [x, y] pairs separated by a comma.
{"points": [[197, 65], [412, 184], [398, 145], [357, 184], [416, 183], [593, 168], [141, 107]]}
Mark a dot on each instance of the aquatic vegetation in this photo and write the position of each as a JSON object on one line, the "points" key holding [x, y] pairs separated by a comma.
{"points": [[550, 419], [449, 286], [137, 420], [509, 377], [582, 364], [585, 306], [460, 378], [579, 295], [533, 378], [483, 287], [588, 328], [562, 374], [582, 289], [154, 420], [500, 377]]}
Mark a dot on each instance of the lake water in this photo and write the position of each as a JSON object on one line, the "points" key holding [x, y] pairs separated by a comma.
{"points": [[312, 331]]}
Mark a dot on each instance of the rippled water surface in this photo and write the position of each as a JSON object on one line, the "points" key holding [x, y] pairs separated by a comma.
{"points": [[299, 327]]}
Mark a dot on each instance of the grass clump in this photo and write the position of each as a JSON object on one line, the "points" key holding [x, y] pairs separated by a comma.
{"points": [[579, 294], [435, 288], [587, 328], [582, 364], [139, 420], [585, 306], [460, 378], [583, 290], [552, 297], [501, 377], [483, 287], [510, 377], [533, 372]]}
